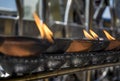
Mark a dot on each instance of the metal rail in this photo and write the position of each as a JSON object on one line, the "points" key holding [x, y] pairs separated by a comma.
{"points": [[57, 73]]}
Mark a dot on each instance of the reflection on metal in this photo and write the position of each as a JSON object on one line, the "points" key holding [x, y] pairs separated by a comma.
{"points": [[3, 73], [57, 73], [70, 24], [104, 74]]}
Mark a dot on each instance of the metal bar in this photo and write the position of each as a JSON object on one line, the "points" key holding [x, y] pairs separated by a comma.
{"points": [[78, 8], [62, 8], [69, 2], [57, 73], [89, 75], [88, 14], [44, 10], [46, 79], [84, 75], [9, 17], [20, 10], [40, 10], [99, 12], [113, 18]]}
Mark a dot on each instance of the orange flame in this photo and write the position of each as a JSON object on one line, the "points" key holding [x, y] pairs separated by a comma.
{"points": [[93, 34], [48, 33], [39, 25], [44, 30], [87, 35], [109, 37]]}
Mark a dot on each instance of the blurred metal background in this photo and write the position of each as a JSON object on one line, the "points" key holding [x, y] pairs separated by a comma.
{"points": [[67, 19]]}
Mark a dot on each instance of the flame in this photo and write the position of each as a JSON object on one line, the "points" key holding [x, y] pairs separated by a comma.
{"points": [[48, 33], [93, 34], [109, 37], [43, 28], [39, 25], [87, 35]]}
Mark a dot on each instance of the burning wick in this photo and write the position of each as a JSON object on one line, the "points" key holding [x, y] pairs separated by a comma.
{"points": [[43, 29], [87, 35], [109, 37], [94, 34]]}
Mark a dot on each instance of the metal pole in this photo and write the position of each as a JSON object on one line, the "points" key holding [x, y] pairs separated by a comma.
{"points": [[99, 12], [41, 5], [89, 75], [84, 75], [88, 14], [20, 21], [57, 73], [113, 17], [46, 79], [62, 8], [69, 2]]}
